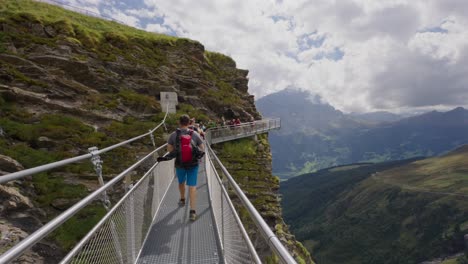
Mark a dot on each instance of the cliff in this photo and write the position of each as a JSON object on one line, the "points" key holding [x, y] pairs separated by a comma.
{"points": [[69, 82]]}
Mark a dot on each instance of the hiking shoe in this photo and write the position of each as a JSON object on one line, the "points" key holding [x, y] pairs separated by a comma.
{"points": [[193, 215], [182, 202]]}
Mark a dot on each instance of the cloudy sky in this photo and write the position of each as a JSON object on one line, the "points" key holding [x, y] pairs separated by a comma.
{"points": [[358, 55]]}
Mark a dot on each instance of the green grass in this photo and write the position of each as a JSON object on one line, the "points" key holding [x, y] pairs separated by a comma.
{"points": [[26, 155], [199, 116], [347, 167], [108, 39], [12, 71], [53, 126], [218, 59], [447, 173], [50, 188], [239, 149], [93, 30], [224, 93], [76, 227], [3, 48]]}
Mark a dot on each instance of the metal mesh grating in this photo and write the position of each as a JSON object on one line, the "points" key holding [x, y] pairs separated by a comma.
{"points": [[119, 237], [233, 238]]}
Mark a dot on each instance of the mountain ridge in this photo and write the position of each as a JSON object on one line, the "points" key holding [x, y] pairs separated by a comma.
{"points": [[324, 140]]}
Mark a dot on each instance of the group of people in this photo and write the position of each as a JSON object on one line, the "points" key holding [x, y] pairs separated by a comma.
{"points": [[227, 123]]}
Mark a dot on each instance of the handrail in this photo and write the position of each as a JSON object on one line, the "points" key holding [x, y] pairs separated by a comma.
{"points": [[227, 133], [245, 124], [32, 239], [272, 239], [53, 165], [254, 255], [88, 236]]}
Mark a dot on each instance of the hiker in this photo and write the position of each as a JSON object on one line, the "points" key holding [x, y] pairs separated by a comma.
{"points": [[186, 146], [198, 129], [202, 127]]}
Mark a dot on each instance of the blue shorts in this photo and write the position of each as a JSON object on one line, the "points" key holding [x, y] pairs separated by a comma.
{"points": [[189, 175]]}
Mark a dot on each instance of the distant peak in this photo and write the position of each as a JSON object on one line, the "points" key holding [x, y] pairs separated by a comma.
{"points": [[458, 109]]}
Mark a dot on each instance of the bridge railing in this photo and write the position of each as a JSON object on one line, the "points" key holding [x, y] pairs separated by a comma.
{"points": [[231, 236], [226, 133], [121, 233], [100, 193], [234, 240], [112, 223], [93, 153]]}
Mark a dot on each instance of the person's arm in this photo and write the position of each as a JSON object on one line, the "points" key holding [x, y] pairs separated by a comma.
{"points": [[170, 148]]}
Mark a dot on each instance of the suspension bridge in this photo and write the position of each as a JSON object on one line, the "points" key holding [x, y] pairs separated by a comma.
{"points": [[148, 226]]}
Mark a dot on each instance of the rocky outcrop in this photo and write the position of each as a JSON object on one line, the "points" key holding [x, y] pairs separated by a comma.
{"points": [[19, 217], [8, 164]]}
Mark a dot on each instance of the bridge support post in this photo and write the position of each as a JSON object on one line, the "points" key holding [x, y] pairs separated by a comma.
{"points": [[152, 139], [130, 229], [97, 163], [222, 223]]}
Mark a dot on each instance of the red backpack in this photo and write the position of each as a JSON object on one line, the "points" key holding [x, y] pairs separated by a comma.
{"points": [[186, 150]]}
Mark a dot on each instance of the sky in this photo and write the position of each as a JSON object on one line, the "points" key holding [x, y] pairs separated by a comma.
{"points": [[357, 55]]}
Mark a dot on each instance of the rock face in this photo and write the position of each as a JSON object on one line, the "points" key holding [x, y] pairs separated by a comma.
{"points": [[19, 217], [69, 82], [8, 164]]}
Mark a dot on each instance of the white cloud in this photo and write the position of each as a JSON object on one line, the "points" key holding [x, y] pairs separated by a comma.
{"points": [[122, 17], [391, 60], [144, 13], [157, 28]]}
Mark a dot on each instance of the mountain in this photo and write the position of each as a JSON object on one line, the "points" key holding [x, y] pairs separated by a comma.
{"points": [[424, 135], [321, 136], [308, 132], [405, 211], [299, 111], [376, 117], [69, 82]]}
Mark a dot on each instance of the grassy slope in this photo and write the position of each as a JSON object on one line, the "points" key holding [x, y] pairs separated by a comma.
{"points": [[448, 173], [348, 216], [88, 28]]}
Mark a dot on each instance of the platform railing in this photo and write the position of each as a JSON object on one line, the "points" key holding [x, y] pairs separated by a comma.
{"points": [[227, 133]]}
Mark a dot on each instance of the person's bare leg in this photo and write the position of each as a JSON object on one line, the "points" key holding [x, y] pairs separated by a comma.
{"points": [[193, 196], [182, 190]]}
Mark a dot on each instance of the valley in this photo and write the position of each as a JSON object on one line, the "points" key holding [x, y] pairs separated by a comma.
{"points": [[406, 211]]}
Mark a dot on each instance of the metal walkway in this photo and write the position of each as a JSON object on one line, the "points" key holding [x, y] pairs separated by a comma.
{"points": [[173, 238]]}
